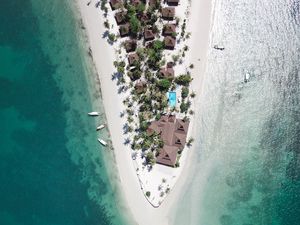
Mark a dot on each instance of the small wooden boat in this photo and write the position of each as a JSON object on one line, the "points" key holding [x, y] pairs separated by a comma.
{"points": [[102, 142], [100, 127], [93, 113]]}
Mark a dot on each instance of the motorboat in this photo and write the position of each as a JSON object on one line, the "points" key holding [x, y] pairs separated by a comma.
{"points": [[93, 113], [102, 142], [247, 77], [100, 127]]}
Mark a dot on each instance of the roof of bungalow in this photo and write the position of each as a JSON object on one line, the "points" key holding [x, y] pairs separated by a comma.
{"points": [[169, 42], [140, 86], [135, 2], [167, 72], [115, 4], [168, 13], [124, 30], [173, 132], [154, 3], [144, 17], [148, 34], [132, 58], [130, 45], [167, 156], [172, 2], [170, 64], [120, 17], [169, 29]]}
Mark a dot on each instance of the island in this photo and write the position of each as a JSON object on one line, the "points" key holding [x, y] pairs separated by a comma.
{"points": [[150, 75]]}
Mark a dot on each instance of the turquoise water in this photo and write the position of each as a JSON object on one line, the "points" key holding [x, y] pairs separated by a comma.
{"points": [[246, 164], [52, 170], [172, 98]]}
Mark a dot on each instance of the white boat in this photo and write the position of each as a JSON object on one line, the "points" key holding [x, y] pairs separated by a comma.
{"points": [[247, 77], [101, 127], [102, 142], [94, 113]]}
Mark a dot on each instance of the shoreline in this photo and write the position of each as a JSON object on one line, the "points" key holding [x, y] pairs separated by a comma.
{"points": [[103, 57]]}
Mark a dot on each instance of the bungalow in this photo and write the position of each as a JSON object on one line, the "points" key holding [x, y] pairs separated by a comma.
{"points": [[168, 13], [145, 18], [169, 42], [173, 2], [120, 17], [170, 64], [173, 132], [154, 3], [169, 30], [140, 86], [124, 30], [167, 73], [135, 2], [115, 4], [132, 59], [130, 45], [148, 34], [167, 156]]}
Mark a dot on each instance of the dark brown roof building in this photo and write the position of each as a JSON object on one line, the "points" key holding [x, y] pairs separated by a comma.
{"points": [[135, 2], [169, 42], [148, 34], [130, 45], [154, 3], [167, 156], [120, 17], [115, 4], [145, 18], [124, 30], [133, 58], [168, 13], [167, 72], [170, 64], [169, 30], [173, 2], [173, 132], [140, 86]]}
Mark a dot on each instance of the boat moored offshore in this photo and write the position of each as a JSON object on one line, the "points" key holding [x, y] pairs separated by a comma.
{"points": [[104, 143], [93, 113], [100, 127], [247, 77]]}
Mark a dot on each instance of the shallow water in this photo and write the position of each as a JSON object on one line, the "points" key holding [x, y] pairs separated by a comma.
{"points": [[52, 169], [247, 169]]}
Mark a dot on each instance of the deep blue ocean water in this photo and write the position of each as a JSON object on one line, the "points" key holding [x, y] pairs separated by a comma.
{"points": [[52, 169]]}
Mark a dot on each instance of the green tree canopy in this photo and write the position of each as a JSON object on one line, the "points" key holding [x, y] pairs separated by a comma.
{"points": [[164, 84], [158, 45], [184, 79], [184, 92], [135, 24], [150, 158]]}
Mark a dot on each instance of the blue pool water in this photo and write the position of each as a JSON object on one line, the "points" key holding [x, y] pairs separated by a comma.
{"points": [[172, 99]]}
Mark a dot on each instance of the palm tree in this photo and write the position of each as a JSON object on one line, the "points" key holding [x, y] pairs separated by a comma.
{"points": [[126, 141]]}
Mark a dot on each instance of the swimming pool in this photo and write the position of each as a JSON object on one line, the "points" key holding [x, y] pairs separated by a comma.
{"points": [[172, 98]]}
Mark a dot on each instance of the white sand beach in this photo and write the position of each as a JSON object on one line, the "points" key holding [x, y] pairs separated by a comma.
{"points": [[103, 56]]}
